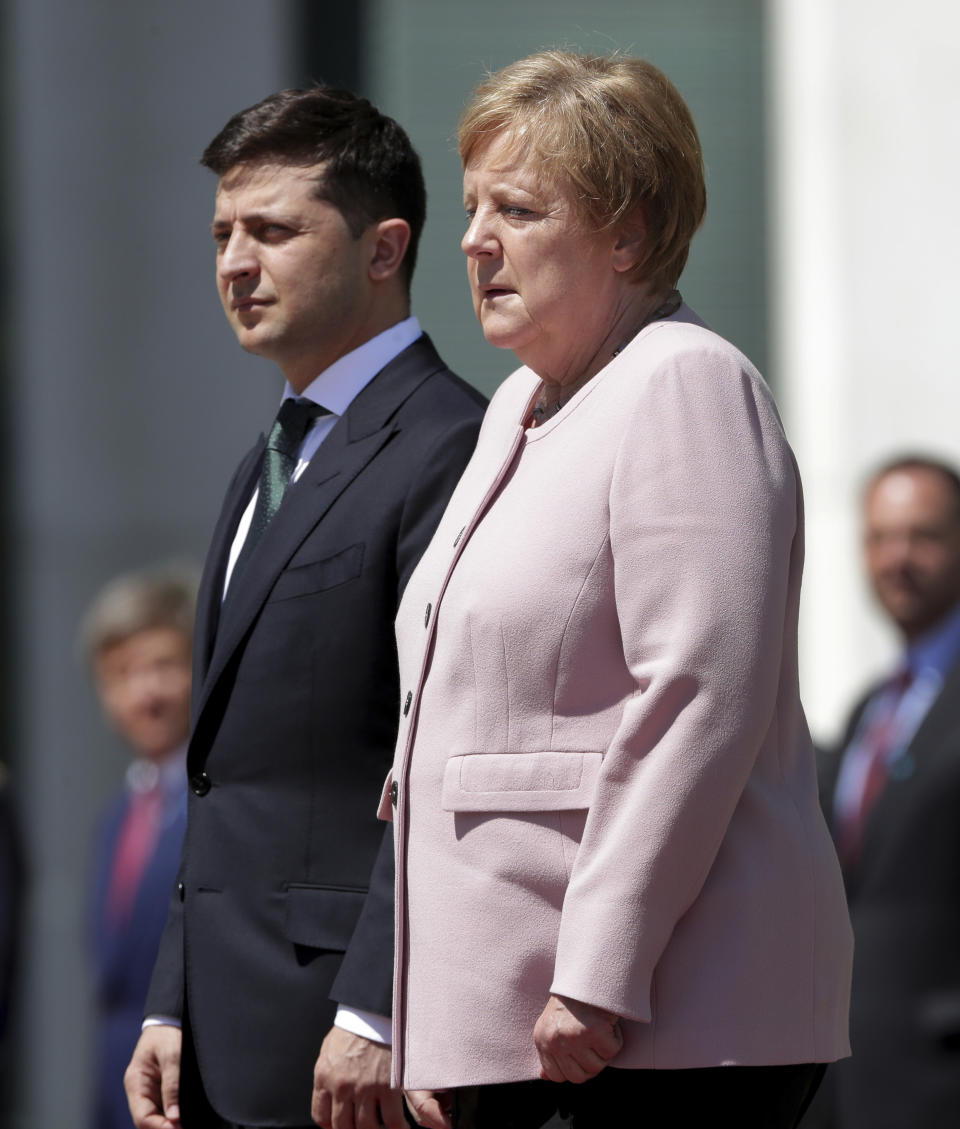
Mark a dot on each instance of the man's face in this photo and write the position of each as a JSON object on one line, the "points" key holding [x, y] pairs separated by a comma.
{"points": [[912, 547], [144, 688], [293, 280]]}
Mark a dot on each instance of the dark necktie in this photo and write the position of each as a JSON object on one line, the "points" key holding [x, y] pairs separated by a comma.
{"points": [[279, 462]]}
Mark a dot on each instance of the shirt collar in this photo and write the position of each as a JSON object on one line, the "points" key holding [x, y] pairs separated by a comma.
{"points": [[938, 648], [346, 378], [170, 772]]}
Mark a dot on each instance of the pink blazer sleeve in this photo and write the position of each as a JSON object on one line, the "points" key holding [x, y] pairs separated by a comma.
{"points": [[703, 522]]}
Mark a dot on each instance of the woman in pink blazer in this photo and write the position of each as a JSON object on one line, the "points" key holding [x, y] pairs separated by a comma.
{"points": [[615, 891]]}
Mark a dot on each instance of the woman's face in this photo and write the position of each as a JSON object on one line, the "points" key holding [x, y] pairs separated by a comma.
{"points": [[542, 284]]}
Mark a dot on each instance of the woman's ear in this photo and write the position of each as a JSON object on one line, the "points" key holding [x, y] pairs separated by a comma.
{"points": [[630, 247], [391, 238]]}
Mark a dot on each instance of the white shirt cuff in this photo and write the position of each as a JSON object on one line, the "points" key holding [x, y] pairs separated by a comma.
{"points": [[376, 1028], [159, 1021]]}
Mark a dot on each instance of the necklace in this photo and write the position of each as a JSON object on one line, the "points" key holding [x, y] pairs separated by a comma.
{"points": [[668, 309], [544, 409]]}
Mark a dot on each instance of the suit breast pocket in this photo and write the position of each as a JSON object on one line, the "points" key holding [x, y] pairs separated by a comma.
{"points": [[304, 579]]}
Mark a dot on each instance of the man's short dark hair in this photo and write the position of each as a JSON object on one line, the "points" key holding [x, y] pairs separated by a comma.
{"points": [[916, 461], [372, 172]]}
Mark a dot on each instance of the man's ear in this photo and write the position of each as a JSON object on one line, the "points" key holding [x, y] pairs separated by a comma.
{"points": [[630, 248], [391, 238]]}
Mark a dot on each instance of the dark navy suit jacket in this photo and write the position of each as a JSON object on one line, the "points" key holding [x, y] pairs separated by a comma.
{"points": [[285, 899], [904, 899]]}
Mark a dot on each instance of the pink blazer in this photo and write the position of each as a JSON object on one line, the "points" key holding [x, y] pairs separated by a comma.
{"points": [[604, 785]]}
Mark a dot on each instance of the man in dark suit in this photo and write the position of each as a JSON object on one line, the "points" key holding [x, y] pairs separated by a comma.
{"points": [[284, 902], [137, 636], [892, 795]]}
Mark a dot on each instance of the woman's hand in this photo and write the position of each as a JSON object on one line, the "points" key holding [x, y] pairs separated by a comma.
{"points": [[430, 1108], [574, 1040]]}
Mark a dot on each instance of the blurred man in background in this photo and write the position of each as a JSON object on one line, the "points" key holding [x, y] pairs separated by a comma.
{"points": [[137, 638], [892, 795]]}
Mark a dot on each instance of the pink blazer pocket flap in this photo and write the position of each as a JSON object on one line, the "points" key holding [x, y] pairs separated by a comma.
{"points": [[543, 781], [385, 810]]}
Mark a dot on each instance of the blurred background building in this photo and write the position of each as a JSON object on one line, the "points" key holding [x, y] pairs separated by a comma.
{"points": [[828, 255]]}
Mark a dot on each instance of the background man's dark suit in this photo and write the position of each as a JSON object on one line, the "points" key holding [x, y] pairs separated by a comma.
{"points": [[124, 950], [296, 703], [904, 896], [903, 877]]}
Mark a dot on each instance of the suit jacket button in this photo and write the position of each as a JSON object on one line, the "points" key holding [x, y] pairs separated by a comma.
{"points": [[426, 618], [406, 704], [200, 783], [394, 792], [181, 892]]}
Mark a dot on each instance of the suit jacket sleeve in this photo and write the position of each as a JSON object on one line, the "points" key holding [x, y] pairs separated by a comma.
{"points": [[165, 996], [703, 515], [365, 979]]}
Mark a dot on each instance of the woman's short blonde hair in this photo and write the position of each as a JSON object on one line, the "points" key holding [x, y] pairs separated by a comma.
{"points": [[613, 129]]}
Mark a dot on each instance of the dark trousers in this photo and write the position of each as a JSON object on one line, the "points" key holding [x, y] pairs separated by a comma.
{"points": [[750, 1097], [197, 1113]]}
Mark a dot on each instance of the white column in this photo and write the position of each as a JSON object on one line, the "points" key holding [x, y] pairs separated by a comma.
{"points": [[866, 176]]}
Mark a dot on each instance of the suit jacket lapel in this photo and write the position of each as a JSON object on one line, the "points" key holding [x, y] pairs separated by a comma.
{"points": [[360, 433], [303, 506], [210, 595]]}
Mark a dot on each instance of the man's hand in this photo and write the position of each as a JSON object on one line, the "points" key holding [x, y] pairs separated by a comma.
{"points": [[574, 1040], [351, 1085], [152, 1079], [430, 1108]]}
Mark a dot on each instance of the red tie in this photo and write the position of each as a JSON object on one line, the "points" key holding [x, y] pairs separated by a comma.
{"points": [[135, 843], [877, 739]]}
